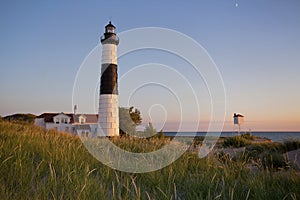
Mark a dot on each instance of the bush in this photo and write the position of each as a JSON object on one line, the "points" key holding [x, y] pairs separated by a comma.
{"points": [[270, 155], [129, 118], [161, 135], [20, 118], [273, 160], [248, 136], [150, 131], [275, 147], [236, 141], [291, 145], [255, 150]]}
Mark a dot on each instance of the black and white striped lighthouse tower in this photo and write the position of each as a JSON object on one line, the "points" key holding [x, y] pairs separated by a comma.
{"points": [[108, 118]]}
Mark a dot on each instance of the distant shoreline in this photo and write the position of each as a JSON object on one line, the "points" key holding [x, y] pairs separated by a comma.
{"points": [[279, 136]]}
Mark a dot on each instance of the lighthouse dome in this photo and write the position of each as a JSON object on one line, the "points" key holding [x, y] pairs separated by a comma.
{"points": [[109, 36], [110, 25]]}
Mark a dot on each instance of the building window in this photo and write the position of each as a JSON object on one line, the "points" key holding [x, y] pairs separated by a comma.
{"points": [[82, 120], [64, 120]]}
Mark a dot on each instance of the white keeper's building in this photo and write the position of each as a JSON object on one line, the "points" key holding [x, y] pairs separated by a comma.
{"points": [[78, 124]]}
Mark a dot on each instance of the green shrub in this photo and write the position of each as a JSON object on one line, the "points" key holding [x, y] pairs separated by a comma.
{"points": [[198, 140], [248, 136], [291, 145], [273, 160], [255, 150], [236, 142], [20, 118], [275, 147], [150, 131], [161, 135]]}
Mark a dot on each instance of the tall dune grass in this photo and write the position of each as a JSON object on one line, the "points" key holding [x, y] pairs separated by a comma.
{"points": [[38, 164]]}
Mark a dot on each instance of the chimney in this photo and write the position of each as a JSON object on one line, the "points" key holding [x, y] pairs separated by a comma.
{"points": [[75, 109]]}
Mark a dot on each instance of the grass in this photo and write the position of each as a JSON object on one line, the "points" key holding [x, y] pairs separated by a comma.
{"points": [[248, 136], [38, 164], [236, 141], [291, 145], [270, 155]]}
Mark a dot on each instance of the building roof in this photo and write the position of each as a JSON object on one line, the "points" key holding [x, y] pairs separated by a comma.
{"points": [[110, 25], [90, 118], [237, 115]]}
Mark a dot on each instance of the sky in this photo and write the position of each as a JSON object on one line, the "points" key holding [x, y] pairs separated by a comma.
{"points": [[255, 45]]}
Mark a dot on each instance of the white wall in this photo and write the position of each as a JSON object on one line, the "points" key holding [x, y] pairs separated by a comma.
{"points": [[108, 115], [59, 118], [63, 126], [109, 54], [60, 127]]}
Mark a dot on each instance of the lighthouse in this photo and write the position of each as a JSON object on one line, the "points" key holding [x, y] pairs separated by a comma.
{"points": [[108, 115], [238, 119]]}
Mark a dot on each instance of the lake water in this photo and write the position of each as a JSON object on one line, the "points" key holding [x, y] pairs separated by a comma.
{"points": [[274, 136]]}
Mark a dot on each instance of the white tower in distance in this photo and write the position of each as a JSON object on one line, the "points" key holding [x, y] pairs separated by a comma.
{"points": [[238, 119], [108, 118]]}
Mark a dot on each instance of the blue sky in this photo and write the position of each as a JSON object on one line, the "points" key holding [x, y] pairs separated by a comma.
{"points": [[255, 45]]}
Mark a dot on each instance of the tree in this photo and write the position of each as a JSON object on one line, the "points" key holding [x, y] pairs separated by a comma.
{"points": [[150, 131], [161, 134], [129, 119], [135, 115]]}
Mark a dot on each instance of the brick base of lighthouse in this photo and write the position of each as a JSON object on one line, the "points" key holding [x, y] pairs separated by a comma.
{"points": [[108, 115]]}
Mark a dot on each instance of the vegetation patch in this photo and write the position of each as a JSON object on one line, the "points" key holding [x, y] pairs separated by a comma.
{"points": [[248, 136], [42, 164], [273, 160], [20, 118], [291, 144], [236, 142]]}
